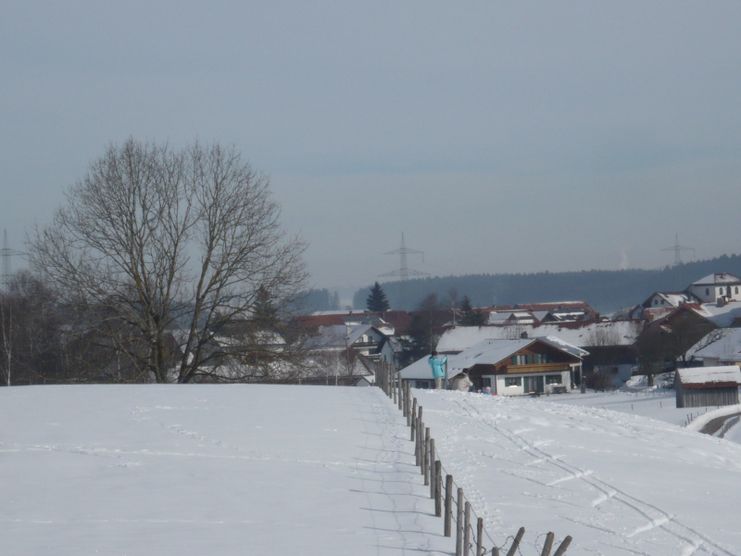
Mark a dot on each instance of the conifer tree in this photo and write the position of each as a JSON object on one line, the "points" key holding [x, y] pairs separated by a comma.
{"points": [[469, 316], [376, 301]]}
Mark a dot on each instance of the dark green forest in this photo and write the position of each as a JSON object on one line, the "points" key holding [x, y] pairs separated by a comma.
{"points": [[605, 290]]}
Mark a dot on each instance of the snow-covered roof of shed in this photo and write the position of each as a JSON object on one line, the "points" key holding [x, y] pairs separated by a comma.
{"points": [[614, 333], [705, 375], [717, 278]]}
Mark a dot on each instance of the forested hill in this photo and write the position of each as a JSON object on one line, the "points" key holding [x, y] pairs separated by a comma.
{"points": [[605, 290]]}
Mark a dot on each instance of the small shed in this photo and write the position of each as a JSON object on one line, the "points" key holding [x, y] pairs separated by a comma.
{"points": [[707, 386]]}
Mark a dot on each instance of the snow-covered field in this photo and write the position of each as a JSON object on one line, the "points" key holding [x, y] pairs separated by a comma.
{"points": [[209, 470], [193, 470], [618, 483]]}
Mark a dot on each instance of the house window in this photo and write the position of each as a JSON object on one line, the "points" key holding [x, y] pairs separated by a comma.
{"points": [[553, 379], [707, 291], [736, 289], [513, 381]]}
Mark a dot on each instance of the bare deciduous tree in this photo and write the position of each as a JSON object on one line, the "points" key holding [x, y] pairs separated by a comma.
{"points": [[169, 244]]}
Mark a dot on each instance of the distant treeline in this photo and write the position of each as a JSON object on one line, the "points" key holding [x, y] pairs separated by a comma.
{"points": [[605, 290]]}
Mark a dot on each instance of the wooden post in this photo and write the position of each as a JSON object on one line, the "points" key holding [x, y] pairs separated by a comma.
{"points": [[448, 504], [413, 417], [459, 524], [438, 488], [420, 437], [495, 551], [563, 546], [433, 478], [548, 544], [426, 458], [516, 542], [467, 529], [418, 444], [480, 536]]}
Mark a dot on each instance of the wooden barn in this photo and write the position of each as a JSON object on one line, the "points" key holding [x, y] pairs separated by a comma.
{"points": [[707, 386]]}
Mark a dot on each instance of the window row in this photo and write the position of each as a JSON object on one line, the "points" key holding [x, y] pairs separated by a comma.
{"points": [[530, 359]]}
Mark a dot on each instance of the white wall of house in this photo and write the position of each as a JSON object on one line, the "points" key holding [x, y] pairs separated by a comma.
{"points": [[514, 384], [710, 293]]}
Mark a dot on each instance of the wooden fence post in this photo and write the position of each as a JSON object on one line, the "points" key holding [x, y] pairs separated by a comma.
{"points": [[448, 504], [564, 545], [548, 545], [459, 524], [414, 417], [438, 488], [431, 464], [495, 551], [426, 458], [467, 529], [516, 542], [480, 536]]}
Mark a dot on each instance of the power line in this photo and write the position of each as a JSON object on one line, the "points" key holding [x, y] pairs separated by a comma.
{"points": [[677, 248], [6, 253]]}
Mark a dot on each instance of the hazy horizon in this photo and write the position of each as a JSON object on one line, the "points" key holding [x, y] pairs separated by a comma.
{"points": [[498, 138]]}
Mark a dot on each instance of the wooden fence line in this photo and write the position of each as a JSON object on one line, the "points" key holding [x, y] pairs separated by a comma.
{"points": [[431, 469]]}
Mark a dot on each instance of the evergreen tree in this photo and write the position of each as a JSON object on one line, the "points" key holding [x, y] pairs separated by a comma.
{"points": [[265, 314], [376, 301], [469, 316]]}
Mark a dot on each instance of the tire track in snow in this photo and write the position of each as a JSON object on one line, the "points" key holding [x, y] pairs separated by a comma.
{"points": [[664, 521]]}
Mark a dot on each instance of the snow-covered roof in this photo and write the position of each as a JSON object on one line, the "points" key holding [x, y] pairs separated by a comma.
{"points": [[612, 333], [721, 315], [337, 336], [723, 344], [717, 278], [706, 375]]}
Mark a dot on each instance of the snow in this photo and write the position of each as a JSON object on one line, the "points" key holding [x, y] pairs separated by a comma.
{"points": [[723, 315], [193, 470], [618, 483], [603, 333], [259, 469], [722, 344], [717, 278], [702, 375]]}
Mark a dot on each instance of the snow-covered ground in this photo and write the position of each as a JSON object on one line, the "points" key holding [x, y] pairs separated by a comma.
{"points": [[196, 470], [619, 483], [310, 470]]}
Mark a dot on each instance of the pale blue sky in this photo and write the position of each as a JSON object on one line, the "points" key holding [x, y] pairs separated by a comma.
{"points": [[499, 136]]}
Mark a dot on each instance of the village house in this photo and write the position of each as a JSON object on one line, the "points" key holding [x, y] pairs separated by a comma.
{"points": [[509, 367], [611, 356], [719, 286], [707, 386]]}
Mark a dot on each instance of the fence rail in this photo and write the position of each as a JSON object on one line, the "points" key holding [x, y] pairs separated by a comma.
{"points": [[453, 507]]}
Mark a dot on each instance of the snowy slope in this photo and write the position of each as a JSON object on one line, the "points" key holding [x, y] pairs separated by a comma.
{"points": [[618, 483], [196, 470]]}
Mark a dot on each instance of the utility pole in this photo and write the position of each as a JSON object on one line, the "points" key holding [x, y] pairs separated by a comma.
{"points": [[404, 272], [6, 253], [677, 249]]}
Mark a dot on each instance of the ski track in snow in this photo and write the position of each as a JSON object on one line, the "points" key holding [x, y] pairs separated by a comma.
{"points": [[692, 541]]}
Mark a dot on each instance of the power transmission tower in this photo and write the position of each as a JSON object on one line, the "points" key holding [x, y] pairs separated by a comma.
{"points": [[677, 248], [7, 253], [404, 272]]}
